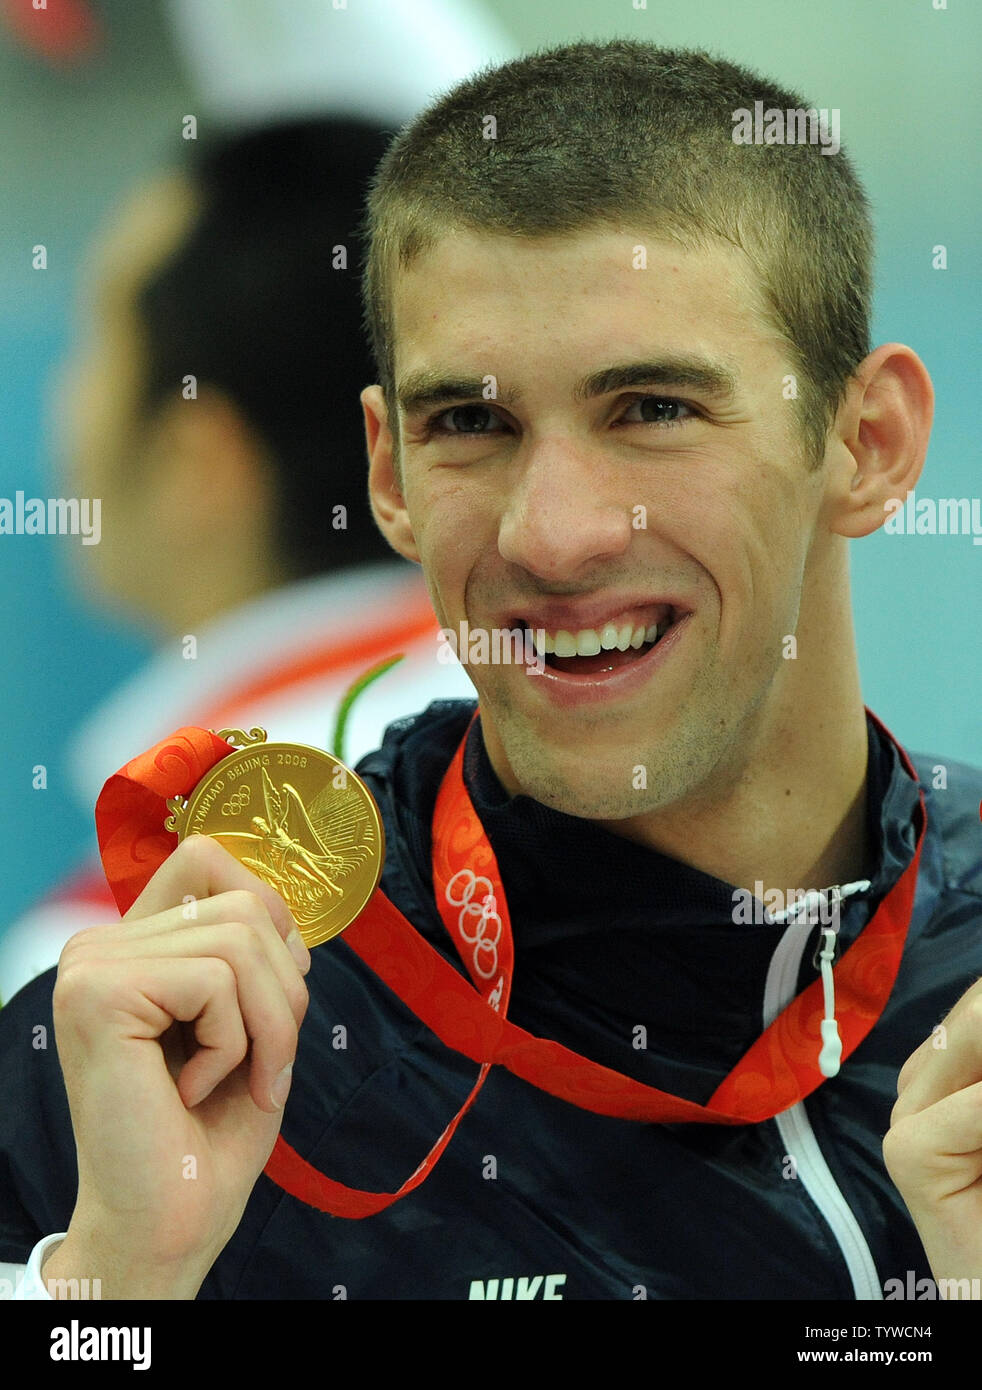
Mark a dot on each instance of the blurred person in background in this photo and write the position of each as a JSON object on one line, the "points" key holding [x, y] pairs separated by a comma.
{"points": [[213, 406]]}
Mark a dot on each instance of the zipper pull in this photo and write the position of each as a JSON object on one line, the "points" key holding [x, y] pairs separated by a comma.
{"points": [[831, 1053]]}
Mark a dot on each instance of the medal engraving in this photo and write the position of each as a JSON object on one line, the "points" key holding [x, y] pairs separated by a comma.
{"points": [[299, 819]]}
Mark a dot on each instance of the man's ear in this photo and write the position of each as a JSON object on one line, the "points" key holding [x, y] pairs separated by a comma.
{"points": [[385, 494], [879, 439]]}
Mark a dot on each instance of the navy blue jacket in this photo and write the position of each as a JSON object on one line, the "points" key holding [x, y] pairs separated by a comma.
{"points": [[535, 1198]]}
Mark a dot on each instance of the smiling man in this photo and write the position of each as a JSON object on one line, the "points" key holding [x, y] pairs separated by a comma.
{"points": [[652, 395], [626, 403]]}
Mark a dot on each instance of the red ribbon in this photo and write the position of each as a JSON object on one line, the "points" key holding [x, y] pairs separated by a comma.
{"points": [[777, 1071]]}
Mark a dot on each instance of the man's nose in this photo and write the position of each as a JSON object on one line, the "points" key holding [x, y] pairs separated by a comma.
{"points": [[568, 507]]}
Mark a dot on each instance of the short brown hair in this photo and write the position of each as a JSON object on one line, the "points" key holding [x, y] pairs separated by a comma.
{"points": [[622, 133]]}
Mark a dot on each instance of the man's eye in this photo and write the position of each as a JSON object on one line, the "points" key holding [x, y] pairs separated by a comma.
{"points": [[660, 410], [464, 419], [480, 419]]}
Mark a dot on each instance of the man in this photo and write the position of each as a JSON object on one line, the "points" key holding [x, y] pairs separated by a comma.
{"points": [[222, 362], [625, 403]]}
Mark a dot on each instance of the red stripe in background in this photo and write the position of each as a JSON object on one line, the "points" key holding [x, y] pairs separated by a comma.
{"points": [[64, 31], [333, 654]]}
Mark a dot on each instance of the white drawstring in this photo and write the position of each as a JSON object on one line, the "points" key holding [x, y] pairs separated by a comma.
{"points": [[831, 1053]]}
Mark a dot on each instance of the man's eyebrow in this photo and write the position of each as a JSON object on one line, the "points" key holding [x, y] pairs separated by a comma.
{"points": [[429, 386], [709, 378]]}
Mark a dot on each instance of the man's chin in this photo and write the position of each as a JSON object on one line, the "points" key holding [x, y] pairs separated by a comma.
{"points": [[590, 786]]}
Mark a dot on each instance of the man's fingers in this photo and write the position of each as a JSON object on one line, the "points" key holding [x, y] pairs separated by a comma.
{"points": [[935, 1153], [219, 1031], [174, 932], [266, 974], [201, 868], [244, 1007], [271, 998], [240, 938], [935, 1071], [141, 999]]}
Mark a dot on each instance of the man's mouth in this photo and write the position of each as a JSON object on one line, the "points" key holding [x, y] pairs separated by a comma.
{"points": [[622, 640]]}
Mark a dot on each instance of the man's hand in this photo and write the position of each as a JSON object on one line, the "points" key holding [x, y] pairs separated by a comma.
{"points": [[176, 1031], [933, 1149]]}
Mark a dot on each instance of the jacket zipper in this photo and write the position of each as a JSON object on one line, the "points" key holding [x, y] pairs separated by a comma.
{"points": [[795, 1128]]}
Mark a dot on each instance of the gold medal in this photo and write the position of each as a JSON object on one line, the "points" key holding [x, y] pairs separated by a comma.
{"points": [[299, 819]]}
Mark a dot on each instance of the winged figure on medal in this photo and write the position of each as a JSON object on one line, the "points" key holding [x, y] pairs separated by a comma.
{"points": [[291, 846]]}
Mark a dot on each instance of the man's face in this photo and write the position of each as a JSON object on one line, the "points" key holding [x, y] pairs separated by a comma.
{"points": [[673, 500]]}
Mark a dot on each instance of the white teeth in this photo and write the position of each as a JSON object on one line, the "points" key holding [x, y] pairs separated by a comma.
{"points": [[591, 641], [587, 643]]}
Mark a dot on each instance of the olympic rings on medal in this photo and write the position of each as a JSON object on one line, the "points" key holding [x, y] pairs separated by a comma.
{"points": [[485, 913], [237, 802]]}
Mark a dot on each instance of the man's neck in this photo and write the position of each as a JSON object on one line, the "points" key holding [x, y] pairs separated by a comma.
{"points": [[811, 833], [794, 815]]}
